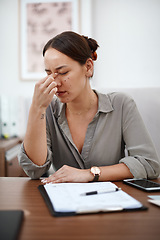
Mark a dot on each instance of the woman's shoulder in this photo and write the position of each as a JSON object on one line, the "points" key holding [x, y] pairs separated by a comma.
{"points": [[116, 97], [122, 100], [116, 100], [119, 101], [120, 96]]}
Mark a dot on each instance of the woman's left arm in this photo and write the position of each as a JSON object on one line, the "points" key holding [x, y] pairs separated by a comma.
{"points": [[142, 159], [108, 173]]}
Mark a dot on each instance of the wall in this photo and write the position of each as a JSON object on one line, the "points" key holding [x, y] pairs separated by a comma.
{"points": [[126, 30], [10, 83]]}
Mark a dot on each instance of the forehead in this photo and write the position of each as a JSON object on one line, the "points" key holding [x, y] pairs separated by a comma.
{"points": [[56, 59]]}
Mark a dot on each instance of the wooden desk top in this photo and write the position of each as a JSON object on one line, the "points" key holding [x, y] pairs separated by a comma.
{"points": [[22, 193]]}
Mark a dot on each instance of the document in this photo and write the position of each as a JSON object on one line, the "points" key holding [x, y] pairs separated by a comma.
{"points": [[89, 197], [155, 199]]}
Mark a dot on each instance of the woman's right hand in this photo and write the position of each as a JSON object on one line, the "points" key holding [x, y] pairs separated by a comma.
{"points": [[44, 91]]}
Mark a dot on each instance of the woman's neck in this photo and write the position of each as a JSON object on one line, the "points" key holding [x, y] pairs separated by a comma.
{"points": [[85, 103]]}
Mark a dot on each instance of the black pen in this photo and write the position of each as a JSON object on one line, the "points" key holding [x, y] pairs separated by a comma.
{"points": [[101, 191]]}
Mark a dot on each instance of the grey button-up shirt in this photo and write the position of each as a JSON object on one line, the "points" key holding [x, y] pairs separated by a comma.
{"points": [[116, 129]]}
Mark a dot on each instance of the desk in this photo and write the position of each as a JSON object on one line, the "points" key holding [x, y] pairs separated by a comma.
{"points": [[38, 224]]}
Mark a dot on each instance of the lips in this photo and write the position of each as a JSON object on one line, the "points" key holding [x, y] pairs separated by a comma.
{"points": [[60, 93]]}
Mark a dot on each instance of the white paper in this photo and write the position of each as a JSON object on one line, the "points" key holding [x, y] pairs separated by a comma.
{"points": [[156, 202], [155, 199], [66, 197]]}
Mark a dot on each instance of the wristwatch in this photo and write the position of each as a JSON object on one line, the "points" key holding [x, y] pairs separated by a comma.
{"points": [[96, 173]]}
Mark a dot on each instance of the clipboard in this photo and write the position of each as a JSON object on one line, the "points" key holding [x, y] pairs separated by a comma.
{"points": [[53, 211], [47, 200]]}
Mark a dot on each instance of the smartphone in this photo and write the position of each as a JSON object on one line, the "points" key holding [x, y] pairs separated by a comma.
{"points": [[143, 184]]}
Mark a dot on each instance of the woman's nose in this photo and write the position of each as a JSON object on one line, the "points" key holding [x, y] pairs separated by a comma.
{"points": [[57, 79]]}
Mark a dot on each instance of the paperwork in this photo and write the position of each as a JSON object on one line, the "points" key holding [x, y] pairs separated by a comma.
{"points": [[155, 199], [69, 197]]}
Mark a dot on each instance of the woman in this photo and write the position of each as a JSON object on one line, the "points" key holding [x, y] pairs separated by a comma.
{"points": [[82, 132]]}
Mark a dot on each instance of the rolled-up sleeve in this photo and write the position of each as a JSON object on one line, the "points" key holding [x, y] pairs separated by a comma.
{"points": [[142, 159], [32, 170]]}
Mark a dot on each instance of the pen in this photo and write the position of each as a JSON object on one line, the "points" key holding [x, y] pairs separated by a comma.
{"points": [[101, 192]]}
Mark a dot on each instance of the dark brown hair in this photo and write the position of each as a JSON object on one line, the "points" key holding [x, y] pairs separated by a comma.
{"points": [[75, 46]]}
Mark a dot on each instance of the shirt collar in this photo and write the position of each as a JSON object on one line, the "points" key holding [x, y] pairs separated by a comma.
{"points": [[104, 102]]}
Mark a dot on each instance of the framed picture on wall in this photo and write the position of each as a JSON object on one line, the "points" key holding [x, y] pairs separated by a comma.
{"points": [[40, 20]]}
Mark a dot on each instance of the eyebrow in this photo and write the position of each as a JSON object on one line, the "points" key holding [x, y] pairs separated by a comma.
{"points": [[57, 68], [60, 67]]}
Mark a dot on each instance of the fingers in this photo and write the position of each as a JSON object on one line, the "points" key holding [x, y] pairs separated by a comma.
{"points": [[58, 177], [53, 76], [45, 82], [52, 180], [62, 175], [44, 91], [50, 86], [68, 174]]}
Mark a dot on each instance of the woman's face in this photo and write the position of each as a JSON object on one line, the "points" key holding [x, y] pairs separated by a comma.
{"points": [[71, 79]]}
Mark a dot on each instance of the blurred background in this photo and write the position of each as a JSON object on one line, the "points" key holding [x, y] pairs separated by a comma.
{"points": [[128, 33]]}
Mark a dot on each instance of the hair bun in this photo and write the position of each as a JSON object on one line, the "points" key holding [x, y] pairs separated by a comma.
{"points": [[93, 46]]}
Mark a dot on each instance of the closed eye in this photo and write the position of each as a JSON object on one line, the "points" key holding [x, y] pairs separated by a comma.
{"points": [[48, 72], [63, 73]]}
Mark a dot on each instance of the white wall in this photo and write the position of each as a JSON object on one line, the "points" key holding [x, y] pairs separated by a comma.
{"points": [[10, 83], [128, 32]]}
